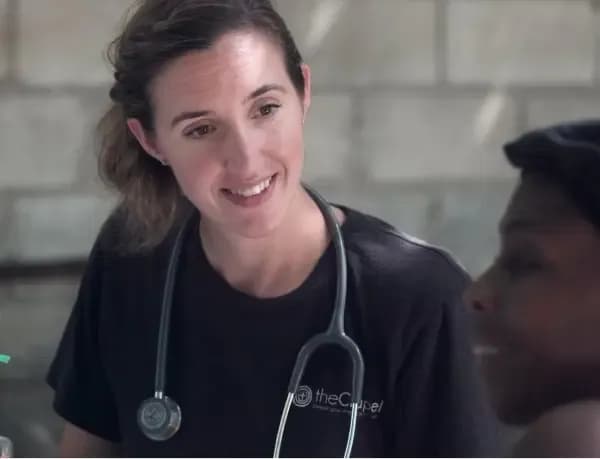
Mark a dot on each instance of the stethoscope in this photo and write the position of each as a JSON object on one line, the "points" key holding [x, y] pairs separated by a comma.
{"points": [[159, 417]]}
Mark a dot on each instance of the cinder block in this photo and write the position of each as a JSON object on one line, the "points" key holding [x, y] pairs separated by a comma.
{"points": [[5, 219], [32, 326], [521, 41], [60, 227], [359, 42], [64, 42], [328, 137], [553, 110], [40, 140], [4, 43], [437, 138], [467, 222]]}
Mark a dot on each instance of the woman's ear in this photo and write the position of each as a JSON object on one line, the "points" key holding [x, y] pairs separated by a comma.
{"points": [[145, 139], [307, 90]]}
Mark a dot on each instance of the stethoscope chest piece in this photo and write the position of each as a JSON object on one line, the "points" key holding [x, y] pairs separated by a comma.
{"points": [[159, 418]]}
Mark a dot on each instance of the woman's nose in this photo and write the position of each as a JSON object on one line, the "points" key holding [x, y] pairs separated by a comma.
{"points": [[242, 154]]}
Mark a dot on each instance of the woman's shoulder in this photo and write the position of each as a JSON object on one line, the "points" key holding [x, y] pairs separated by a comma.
{"points": [[570, 430], [116, 251], [394, 256], [117, 236], [408, 291]]}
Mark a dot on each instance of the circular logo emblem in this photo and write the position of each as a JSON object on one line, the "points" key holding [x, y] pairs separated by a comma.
{"points": [[154, 415], [303, 396]]}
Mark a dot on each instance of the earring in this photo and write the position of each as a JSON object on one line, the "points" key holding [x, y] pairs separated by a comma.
{"points": [[162, 161]]}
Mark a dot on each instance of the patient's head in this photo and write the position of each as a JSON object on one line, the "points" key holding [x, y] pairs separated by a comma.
{"points": [[538, 305]]}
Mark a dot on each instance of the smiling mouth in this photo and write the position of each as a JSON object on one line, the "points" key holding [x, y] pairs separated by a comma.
{"points": [[254, 190], [252, 196]]}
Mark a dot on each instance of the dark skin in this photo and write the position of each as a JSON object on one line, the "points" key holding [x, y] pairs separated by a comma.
{"points": [[571, 430], [537, 308]]}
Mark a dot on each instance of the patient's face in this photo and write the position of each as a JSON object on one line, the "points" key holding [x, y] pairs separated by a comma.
{"points": [[538, 306]]}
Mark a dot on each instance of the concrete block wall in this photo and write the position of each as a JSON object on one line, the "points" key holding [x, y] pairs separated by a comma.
{"points": [[412, 102]]}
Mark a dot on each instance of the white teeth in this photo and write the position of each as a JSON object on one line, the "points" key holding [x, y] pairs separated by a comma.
{"points": [[253, 191]]}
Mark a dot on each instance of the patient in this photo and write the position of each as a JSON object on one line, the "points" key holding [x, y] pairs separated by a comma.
{"points": [[538, 305]]}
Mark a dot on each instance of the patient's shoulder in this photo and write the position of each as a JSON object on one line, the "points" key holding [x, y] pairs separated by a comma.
{"points": [[571, 430]]}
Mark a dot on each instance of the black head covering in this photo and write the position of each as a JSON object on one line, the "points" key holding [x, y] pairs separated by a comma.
{"points": [[568, 153]]}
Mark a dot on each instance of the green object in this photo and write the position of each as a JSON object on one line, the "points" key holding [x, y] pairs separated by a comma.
{"points": [[4, 358]]}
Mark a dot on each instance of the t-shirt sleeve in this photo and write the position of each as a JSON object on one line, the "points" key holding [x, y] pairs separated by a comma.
{"points": [[82, 393], [441, 409]]}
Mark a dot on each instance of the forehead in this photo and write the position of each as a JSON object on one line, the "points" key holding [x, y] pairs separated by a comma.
{"points": [[542, 202], [237, 62], [542, 217]]}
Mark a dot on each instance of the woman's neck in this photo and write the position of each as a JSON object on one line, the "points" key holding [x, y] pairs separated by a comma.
{"points": [[274, 265]]}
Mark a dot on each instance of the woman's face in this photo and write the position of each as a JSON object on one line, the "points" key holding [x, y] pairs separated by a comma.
{"points": [[229, 123], [538, 305]]}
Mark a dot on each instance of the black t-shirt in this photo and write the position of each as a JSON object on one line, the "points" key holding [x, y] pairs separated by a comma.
{"points": [[230, 355]]}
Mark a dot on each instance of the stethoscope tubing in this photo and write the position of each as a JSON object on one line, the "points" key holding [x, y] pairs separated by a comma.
{"points": [[335, 333]]}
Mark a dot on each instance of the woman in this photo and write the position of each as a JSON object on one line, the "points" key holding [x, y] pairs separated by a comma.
{"points": [[539, 303], [209, 102]]}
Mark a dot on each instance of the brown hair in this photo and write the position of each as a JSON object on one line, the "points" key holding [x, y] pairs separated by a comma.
{"points": [[157, 32]]}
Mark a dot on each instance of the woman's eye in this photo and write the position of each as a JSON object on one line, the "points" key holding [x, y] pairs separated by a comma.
{"points": [[200, 131], [268, 109]]}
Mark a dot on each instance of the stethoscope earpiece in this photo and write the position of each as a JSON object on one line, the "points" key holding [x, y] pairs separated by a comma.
{"points": [[159, 418]]}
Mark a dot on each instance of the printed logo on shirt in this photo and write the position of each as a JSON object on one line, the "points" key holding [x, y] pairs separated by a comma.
{"points": [[335, 403], [303, 396]]}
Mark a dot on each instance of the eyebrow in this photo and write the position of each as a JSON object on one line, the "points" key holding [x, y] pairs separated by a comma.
{"points": [[188, 115], [256, 93], [263, 90]]}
